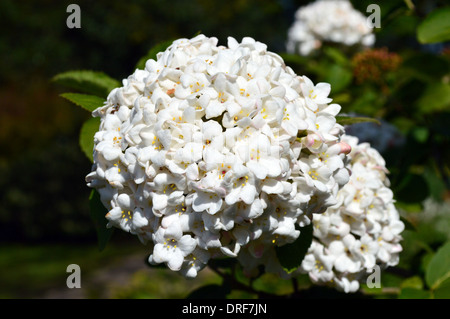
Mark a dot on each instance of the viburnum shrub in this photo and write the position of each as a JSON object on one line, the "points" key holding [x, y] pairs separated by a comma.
{"points": [[216, 151]]}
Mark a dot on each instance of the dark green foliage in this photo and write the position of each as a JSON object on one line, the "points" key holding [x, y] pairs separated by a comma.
{"points": [[291, 255], [96, 83], [98, 212], [87, 102], [212, 291]]}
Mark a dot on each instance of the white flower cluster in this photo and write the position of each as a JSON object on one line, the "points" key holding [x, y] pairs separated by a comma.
{"points": [[213, 148], [361, 231], [328, 21]]}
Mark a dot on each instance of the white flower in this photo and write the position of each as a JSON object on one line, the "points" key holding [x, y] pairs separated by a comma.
{"points": [[172, 246], [328, 21], [195, 262], [367, 248], [346, 284], [345, 261], [317, 264], [205, 238], [316, 174], [240, 185], [125, 215], [315, 94]]}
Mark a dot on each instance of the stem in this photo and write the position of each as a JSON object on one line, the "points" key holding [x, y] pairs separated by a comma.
{"points": [[237, 285], [295, 285], [217, 271], [385, 290], [409, 4], [404, 273]]}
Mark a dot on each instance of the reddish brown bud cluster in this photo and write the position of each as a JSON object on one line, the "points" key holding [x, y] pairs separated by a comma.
{"points": [[371, 66], [446, 52]]}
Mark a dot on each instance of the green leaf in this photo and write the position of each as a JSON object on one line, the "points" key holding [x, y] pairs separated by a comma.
{"points": [[85, 81], [87, 102], [212, 291], [413, 293], [426, 258], [412, 282], [435, 98], [151, 54], [291, 255], [339, 78], [342, 98], [443, 292], [349, 120], [368, 102], [425, 66], [438, 269], [336, 55], [98, 212], [436, 27], [436, 184], [88, 130], [420, 134]]}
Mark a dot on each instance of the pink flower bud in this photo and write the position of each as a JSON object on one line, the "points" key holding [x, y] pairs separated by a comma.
{"points": [[345, 148]]}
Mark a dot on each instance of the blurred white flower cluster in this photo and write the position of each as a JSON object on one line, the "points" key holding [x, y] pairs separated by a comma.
{"points": [[333, 21], [212, 149], [358, 233]]}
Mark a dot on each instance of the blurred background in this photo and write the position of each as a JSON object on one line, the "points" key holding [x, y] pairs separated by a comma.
{"points": [[44, 211]]}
